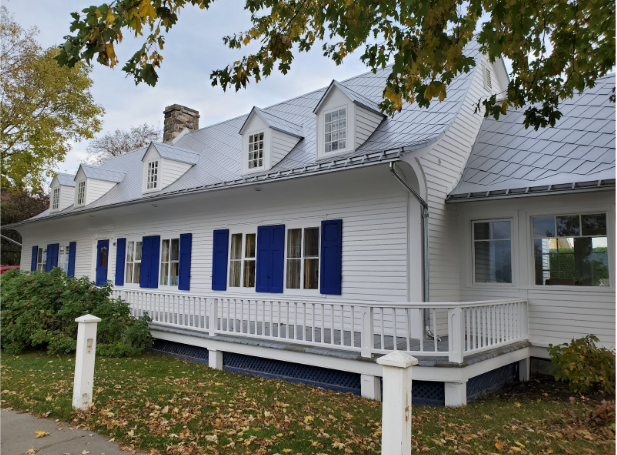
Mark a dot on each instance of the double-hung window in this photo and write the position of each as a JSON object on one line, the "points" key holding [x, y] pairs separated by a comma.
{"points": [[152, 175], [256, 150], [571, 250], [41, 260], [303, 258], [133, 262], [55, 201], [170, 262], [242, 260], [492, 251], [63, 257], [335, 130], [81, 192]]}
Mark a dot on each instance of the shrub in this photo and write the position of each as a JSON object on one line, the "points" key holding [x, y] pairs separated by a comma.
{"points": [[585, 366], [39, 309]]}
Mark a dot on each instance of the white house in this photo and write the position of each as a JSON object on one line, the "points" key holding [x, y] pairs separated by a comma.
{"points": [[290, 241]]}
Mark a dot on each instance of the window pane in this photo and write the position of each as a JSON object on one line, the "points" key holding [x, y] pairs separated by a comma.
{"points": [[174, 273], [594, 224], [501, 230], [249, 274], [568, 226], [165, 255], [137, 273], [293, 273], [103, 261], [175, 249], [234, 273], [493, 262], [481, 231], [311, 242], [164, 274], [250, 246], [328, 117], [129, 252], [294, 239], [129, 273], [544, 226], [236, 246], [311, 274], [138, 251]]}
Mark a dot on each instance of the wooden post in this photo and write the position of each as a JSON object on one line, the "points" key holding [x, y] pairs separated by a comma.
{"points": [[456, 335], [214, 317], [396, 414], [367, 340], [84, 361]]}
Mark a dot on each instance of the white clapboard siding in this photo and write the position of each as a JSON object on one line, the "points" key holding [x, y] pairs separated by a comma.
{"points": [[366, 123], [171, 171], [67, 196], [96, 188], [281, 144]]}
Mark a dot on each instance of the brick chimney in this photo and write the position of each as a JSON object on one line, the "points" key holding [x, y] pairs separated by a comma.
{"points": [[176, 119]]}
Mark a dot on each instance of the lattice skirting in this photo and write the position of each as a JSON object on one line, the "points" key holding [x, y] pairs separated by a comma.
{"points": [[491, 381]]}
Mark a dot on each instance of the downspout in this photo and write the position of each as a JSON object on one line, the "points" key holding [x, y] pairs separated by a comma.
{"points": [[425, 266]]}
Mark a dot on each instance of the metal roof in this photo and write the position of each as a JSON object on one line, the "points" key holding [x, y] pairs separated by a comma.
{"points": [[66, 179], [274, 122], [219, 146], [101, 173], [170, 152], [578, 152], [355, 97]]}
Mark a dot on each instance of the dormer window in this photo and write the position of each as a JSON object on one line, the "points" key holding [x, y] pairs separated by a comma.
{"points": [[256, 150], [55, 201], [81, 192], [335, 130], [153, 175]]}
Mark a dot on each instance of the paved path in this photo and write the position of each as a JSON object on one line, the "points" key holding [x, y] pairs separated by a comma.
{"points": [[19, 431]]}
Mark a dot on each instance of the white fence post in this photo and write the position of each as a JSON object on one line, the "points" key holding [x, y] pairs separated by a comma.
{"points": [[456, 335], [367, 339], [84, 361], [396, 414]]}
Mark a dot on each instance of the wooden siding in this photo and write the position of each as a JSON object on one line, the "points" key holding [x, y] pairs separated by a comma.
{"points": [[366, 123], [281, 144], [97, 188], [172, 171], [67, 196]]}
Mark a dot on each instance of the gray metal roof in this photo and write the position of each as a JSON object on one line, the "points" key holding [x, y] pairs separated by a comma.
{"points": [[101, 173], [274, 122], [356, 98], [219, 146], [170, 152], [579, 149], [66, 179]]}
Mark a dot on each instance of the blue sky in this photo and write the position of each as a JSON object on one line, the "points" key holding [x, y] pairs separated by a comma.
{"points": [[193, 49]]}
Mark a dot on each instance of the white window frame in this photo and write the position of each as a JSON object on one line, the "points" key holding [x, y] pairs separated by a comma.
{"points": [[347, 129], [153, 168], [263, 151], [244, 233], [512, 222], [64, 251], [170, 237], [302, 258], [134, 240], [610, 216], [41, 259], [80, 198], [55, 199]]}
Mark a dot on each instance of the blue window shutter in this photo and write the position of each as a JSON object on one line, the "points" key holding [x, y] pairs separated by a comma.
{"points": [[72, 251], [277, 258], [52, 256], [35, 255], [331, 256], [220, 251], [262, 280], [120, 255], [146, 254], [184, 281]]}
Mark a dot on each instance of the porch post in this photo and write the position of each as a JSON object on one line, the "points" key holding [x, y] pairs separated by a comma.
{"points": [[84, 361], [214, 316], [215, 359], [368, 342], [456, 335]]}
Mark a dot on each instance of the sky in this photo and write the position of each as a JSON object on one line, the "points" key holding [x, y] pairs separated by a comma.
{"points": [[194, 48]]}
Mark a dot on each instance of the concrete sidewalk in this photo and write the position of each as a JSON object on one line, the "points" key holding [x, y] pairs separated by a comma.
{"points": [[19, 431]]}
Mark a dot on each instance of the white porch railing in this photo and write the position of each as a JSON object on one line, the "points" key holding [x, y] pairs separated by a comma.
{"points": [[456, 329]]}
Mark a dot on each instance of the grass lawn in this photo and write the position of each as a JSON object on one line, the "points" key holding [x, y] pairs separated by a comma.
{"points": [[167, 406]]}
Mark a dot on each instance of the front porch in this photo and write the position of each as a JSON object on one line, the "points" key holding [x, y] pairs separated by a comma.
{"points": [[463, 341]]}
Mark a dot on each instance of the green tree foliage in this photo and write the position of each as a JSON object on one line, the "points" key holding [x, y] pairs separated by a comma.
{"points": [[18, 204], [556, 47], [44, 107], [584, 365], [39, 311]]}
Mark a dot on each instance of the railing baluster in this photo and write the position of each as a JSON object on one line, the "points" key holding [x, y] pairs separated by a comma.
{"points": [[342, 325], [383, 338], [407, 328], [331, 323], [394, 343], [435, 330]]}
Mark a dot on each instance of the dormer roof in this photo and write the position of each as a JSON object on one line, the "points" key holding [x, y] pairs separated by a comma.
{"points": [[66, 179], [355, 97], [274, 122], [170, 152], [96, 172]]}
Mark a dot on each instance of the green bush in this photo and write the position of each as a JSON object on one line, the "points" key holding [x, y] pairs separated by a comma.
{"points": [[39, 309], [585, 366]]}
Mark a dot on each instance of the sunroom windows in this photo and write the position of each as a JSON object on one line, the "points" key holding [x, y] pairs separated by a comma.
{"points": [[256, 150], [492, 251], [170, 262], [133, 262], [302, 258], [571, 250], [242, 260], [335, 130]]}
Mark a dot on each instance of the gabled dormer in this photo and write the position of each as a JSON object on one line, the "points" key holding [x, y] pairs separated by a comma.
{"points": [[345, 120], [62, 192], [164, 164], [92, 182], [266, 139]]}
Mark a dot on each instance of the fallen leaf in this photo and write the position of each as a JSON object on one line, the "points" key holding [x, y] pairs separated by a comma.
{"points": [[31, 451], [518, 405], [499, 445], [41, 434]]}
